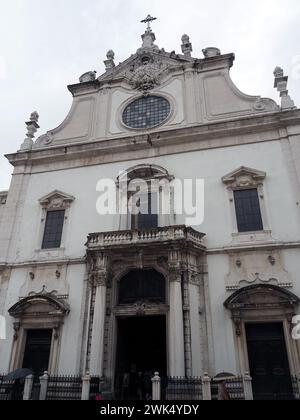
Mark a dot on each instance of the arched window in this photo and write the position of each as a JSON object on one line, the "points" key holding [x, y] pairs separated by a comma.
{"points": [[145, 190], [142, 286]]}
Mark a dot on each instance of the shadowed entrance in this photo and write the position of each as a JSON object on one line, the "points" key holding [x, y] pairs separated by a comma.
{"points": [[141, 352]]}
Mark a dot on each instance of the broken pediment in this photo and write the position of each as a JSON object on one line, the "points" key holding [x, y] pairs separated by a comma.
{"points": [[144, 70]]}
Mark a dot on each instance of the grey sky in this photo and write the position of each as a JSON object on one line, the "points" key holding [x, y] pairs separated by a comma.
{"points": [[47, 44]]}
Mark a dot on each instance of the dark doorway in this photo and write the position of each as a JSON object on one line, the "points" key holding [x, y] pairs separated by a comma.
{"points": [[268, 360], [142, 351], [37, 351]]}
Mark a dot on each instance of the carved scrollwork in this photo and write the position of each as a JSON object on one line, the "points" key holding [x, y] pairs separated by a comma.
{"points": [[146, 72]]}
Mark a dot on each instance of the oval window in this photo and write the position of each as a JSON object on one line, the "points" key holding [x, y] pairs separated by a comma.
{"points": [[146, 112]]}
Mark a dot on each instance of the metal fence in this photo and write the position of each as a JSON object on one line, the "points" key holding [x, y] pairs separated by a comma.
{"points": [[64, 388], [95, 387], [6, 389], [296, 387], [182, 389], [234, 387]]}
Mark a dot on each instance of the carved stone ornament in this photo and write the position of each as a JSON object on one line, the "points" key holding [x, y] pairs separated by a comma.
{"points": [[146, 73], [90, 76], [44, 291], [256, 268], [244, 177], [45, 139], [140, 308], [56, 200]]}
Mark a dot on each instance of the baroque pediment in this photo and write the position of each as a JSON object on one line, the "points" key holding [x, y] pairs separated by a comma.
{"points": [[144, 70], [56, 200], [244, 177]]}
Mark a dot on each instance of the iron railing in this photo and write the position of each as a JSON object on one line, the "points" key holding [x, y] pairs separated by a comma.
{"points": [[95, 387], [182, 389], [234, 387], [62, 388], [296, 387], [6, 389]]}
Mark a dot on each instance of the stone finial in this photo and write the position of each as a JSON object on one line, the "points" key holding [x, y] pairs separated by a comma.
{"points": [[110, 63], [278, 72], [186, 46], [34, 117], [211, 52], [281, 82], [110, 55], [32, 127], [90, 76]]}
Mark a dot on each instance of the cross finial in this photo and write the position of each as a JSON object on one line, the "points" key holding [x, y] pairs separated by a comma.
{"points": [[148, 20]]}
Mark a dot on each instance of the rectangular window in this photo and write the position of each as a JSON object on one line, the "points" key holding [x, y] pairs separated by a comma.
{"points": [[248, 211], [53, 229], [150, 220]]}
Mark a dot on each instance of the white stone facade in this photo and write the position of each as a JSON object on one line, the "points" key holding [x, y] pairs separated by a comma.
{"points": [[214, 132]]}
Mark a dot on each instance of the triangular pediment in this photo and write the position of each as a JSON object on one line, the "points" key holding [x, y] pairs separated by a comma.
{"points": [[244, 176], [56, 199]]}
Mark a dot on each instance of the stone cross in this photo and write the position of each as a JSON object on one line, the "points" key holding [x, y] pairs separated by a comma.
{"points": [[148, 20]]}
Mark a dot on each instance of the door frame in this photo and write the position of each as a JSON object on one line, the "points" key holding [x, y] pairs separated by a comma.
{"points": [[263, 303], [117, 318]]}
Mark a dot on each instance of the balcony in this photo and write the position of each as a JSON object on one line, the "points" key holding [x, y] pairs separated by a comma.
{"points": [[175, 235]]}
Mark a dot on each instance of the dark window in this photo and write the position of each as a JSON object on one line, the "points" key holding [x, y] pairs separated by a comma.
{"points": [[148, 217], [53, 229], [248, 210], [142, 285], [146, 112]]}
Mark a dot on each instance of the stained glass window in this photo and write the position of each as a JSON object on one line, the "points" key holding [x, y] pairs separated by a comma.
{"points": [[146, 112]]}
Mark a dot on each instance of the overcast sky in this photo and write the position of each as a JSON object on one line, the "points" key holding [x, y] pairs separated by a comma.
{"points": [[47, 44]]}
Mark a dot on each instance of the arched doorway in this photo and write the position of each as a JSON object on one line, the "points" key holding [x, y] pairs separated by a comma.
{"points": [[262, 315], [39, 320], [141, 332]]}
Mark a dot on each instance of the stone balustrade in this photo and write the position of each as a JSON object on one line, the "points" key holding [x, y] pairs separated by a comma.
{"points": [[147, 236]]}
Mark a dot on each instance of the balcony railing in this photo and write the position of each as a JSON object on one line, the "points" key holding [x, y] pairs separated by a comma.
{"points": [[141, 237]]}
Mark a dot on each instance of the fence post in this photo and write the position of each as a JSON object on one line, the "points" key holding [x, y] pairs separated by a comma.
{"points": [[44, 386], [206, 387], [247, 380], [86, 387], [28, 388], [156, 387], [298, 381]]}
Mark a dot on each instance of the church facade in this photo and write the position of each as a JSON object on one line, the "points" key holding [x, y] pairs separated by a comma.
{"points": [[116, 292]]}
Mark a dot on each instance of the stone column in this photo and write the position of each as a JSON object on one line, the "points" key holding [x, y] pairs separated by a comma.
{"points": [[28, 388], [206, 387], [248, 387], [86, 386], [187, 325], [44, 386], [99, 279], [176, 330], [156, 387]]}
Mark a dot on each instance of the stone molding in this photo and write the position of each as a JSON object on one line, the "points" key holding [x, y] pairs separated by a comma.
{"points": [[173, 141], [56, 200], [244, 177]]}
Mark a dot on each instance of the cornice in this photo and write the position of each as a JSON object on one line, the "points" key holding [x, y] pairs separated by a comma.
{"points": [[193, 138], [253, 247]]}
